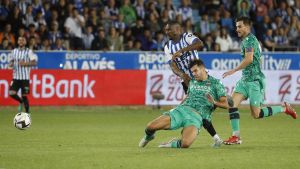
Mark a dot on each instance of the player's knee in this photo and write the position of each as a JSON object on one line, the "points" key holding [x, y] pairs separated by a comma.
{"points": [[255, 114], [185, 144], [230, 101], [151, 126]]}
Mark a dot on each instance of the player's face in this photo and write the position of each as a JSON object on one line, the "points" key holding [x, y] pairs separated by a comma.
{"points": [[242, 29], [21, 42], [199, 72], [172, 31]]}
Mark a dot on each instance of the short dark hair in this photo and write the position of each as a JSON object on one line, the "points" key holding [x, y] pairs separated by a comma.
{"points": [[171, 23], [246, 20], [197, 62]]}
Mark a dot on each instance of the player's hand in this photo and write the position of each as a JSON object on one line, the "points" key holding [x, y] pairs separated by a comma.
{"points": [[23, 63], [210, 98], [230, 72], [176, 55], [10, 65], [186, 79]]}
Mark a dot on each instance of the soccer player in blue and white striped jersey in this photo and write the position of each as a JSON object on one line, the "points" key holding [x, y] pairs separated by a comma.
{"points": [[181, 50], [22, 59]]}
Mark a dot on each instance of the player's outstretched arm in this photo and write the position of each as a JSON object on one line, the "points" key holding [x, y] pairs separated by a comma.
{"points": [[179, 73], [222, 103], [196, 45], [245, 62], [30, 63], [32, 60]]}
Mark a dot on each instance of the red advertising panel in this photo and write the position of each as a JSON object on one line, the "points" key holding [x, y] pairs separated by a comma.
{"points": [[77, 87]]}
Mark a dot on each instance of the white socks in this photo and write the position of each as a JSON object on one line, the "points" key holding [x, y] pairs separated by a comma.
{"points": [[216, 137], [236, 133]]}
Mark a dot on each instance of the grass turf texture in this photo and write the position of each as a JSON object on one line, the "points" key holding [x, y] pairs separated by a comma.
{"points": [[107, 138]]}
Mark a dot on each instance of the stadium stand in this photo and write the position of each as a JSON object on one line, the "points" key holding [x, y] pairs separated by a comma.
{"points": [[65, 24]]}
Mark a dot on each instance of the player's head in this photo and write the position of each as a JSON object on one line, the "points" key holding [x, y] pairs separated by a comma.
{"points": [[243, 26], [173, 30], [21, 41], [198, 69]]}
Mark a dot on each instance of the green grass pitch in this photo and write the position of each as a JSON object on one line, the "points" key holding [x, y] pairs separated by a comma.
{"points": [[107, 138]]}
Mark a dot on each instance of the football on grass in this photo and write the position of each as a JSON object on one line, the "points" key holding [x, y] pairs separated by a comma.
{"points": [[22, 121]]}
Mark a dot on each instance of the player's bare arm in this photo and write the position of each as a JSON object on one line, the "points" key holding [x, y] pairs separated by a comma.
{"points": [[179, 73], [195, 46], [245, 62], [32, 60], [30, 63], [222, 103]]}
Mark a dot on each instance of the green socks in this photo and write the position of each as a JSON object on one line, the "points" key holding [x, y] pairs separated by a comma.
{"points": [[270, 111], [234, 117], [176, 144]]}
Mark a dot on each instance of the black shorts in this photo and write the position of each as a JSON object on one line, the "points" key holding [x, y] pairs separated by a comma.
{"points": [[20, 84]]}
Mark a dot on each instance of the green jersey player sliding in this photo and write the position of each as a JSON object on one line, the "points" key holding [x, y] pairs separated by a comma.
{"points": [[204, 94]]}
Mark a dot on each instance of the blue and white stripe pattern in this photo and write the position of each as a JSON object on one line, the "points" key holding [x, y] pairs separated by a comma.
{"points": [[184, 60], [25, 54]]}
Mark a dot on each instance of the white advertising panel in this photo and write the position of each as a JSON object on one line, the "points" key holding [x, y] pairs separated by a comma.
{"points": [[280, 86]]}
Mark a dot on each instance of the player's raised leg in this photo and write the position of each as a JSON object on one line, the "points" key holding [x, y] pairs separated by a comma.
{"points": [[160, 123], [268, 111], [256, 98]]}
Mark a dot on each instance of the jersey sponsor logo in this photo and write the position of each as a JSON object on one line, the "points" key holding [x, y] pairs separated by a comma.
{"points": [[184, 56], [200, 88], [208, 83]]}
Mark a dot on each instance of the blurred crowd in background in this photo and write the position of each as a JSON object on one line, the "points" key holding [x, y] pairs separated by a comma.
{"points": [[137, 25]]}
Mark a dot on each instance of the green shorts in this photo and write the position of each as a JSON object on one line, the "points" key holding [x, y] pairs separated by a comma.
{"points": [[254, 90], [182, 116]]}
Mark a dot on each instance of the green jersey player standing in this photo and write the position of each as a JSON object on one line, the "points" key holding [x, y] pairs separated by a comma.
{"points": [[252, 83], [204, 94]]}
